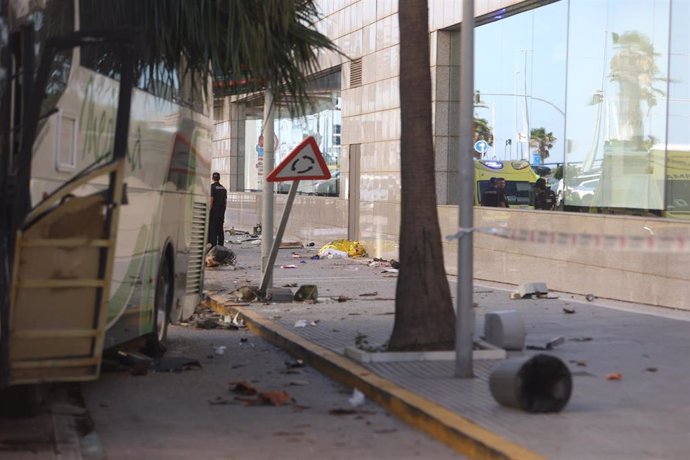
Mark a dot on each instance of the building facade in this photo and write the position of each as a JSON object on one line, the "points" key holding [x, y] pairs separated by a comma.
{"points": [[608, 80]]}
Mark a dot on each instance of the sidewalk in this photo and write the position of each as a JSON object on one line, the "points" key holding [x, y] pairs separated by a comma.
{"points": [[644, 415]]}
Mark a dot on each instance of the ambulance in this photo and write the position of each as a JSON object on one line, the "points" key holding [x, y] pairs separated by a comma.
{"points": [[519, 177]]}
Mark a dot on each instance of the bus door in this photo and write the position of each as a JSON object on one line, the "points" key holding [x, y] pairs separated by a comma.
{"points": [[59, 265]]}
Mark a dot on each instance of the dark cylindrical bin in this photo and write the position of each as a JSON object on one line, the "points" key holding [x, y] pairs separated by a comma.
{"points": [[540, 383]]}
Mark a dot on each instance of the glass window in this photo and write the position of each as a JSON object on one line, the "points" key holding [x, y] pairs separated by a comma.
{"points": [[520, 65], [617, 103], [678, 146], [323, 123]]}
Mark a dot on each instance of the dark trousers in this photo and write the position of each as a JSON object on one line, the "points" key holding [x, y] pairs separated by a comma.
{"points": [[215, 230]]}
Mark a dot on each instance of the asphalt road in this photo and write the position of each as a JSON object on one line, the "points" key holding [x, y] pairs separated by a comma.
{"points": [[194, 413]]}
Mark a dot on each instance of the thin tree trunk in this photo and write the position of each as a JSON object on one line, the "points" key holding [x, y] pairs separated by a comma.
{"points": [[424, 315]]}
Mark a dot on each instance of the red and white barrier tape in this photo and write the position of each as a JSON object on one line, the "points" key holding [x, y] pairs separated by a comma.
{"points": [[585, 240]]}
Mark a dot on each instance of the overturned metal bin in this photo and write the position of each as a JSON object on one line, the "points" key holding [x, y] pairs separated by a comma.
{"points": [[539, 383]]}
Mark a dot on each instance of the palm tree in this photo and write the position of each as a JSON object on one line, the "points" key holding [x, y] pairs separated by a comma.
{"points": [[482, 131], [543, 141], [263, 43], [424, 315]]}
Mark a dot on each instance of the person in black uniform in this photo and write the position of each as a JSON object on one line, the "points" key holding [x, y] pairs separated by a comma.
{"points": [[495, 195], [219, 198], [544, 197]]}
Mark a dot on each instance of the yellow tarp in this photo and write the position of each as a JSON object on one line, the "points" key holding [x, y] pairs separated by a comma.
{"points": [[352, 248]]}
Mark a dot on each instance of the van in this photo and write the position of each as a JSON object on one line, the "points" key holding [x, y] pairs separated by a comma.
{"points": [[519, 177]]}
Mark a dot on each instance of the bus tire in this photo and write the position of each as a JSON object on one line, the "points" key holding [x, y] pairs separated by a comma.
{"points": [[165, 287]]}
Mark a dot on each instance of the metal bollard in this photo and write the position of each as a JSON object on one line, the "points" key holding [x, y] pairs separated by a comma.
{"points": [[540, 383]]}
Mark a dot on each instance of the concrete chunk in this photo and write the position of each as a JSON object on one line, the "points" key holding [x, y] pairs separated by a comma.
{"points": [[505, 329], [528, 289]]}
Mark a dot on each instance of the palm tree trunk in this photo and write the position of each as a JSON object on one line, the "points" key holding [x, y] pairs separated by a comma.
{"points": [[424, 315]]}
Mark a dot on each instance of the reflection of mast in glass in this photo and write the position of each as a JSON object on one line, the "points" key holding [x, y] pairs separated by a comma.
{"points": [[597, 98], [526, 119]]}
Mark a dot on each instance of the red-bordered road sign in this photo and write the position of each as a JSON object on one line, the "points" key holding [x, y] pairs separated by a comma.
{"points": [[305, 162]]}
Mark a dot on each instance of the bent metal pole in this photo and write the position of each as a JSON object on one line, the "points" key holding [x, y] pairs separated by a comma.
{"points": [[464, 342], [267, 187]]}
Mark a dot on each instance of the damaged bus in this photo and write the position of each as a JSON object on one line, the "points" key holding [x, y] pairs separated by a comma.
{"points": [[104, 175]]}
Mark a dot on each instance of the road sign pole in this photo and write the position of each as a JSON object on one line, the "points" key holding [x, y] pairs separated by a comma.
{"points": [[268, 271]]}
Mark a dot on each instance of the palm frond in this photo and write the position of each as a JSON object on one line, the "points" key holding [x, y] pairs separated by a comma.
{"points": [[261, 43]]}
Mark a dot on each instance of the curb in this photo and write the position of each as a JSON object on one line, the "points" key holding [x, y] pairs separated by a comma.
{"points": [[460, 433]]}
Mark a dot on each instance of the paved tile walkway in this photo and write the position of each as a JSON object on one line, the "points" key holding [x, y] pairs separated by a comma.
{"points": [[644, 415]]}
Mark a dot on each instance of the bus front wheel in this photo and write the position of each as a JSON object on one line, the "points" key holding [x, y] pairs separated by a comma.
{"points": [[164, 298]]}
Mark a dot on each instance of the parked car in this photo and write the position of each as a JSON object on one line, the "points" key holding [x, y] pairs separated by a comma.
{"points": [[583, 194], [328, 187], [305, 187]]}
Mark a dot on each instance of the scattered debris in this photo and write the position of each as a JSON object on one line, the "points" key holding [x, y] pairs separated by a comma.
{"points": [[580, 339], [138, 363], [219, 401], [175, 364], [357, 398], [220, 255], [614, 376], [301, 323], [279, 295], [331, 253], [288, 266], [306, 292], [205, 318], [568, 310], [578, 362], [362, 343], [245, 294], [391, 270], [369, 294], [505, 329], [220, 350], [291, 245], [294, 364], [237, 321], [651, 369], [341, 298], [206, 323], [394, 264], [527, 290], [274, 398], [298, 383], [550, 345], [590, 297], [243, 388], [315, 257], [289, 285]]}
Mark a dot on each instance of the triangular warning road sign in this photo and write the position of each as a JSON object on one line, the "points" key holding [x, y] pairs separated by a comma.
{"points": [[303, 163]]}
